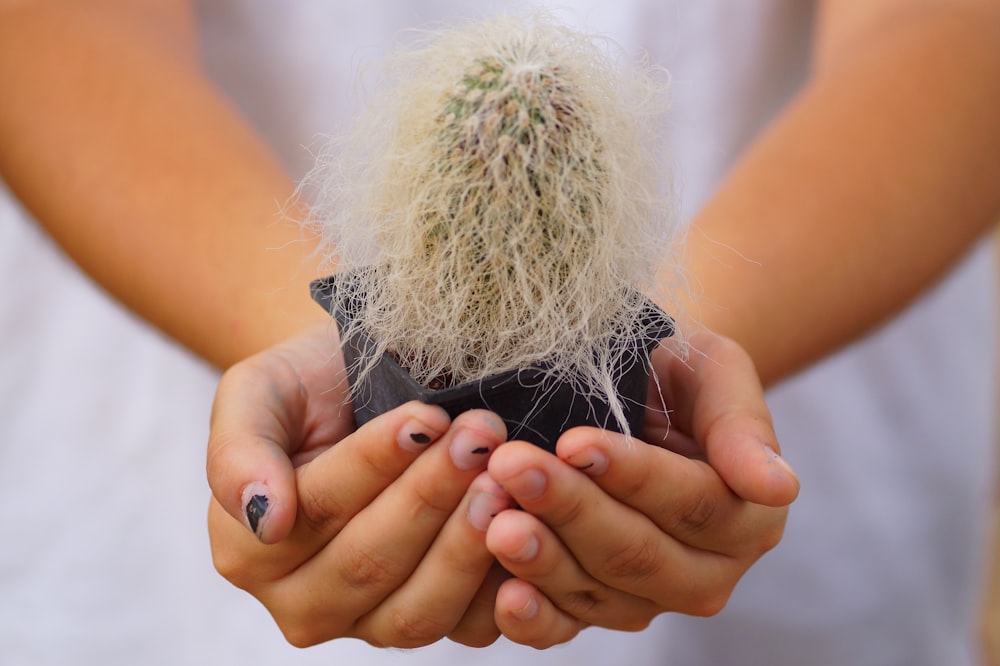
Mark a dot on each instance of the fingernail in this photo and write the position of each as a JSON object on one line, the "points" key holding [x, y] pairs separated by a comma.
{"points": [[470, 449], [528, 611], [416, 435], [529, 485], [781, 465], [255, 505], [591, 462], [526, 552], [483, 509]]}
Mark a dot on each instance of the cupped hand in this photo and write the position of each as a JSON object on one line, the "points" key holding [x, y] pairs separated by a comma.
{"points": [[616, 531], [376, 533]]}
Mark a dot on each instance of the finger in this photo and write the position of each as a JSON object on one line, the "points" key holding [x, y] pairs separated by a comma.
{"points": [[263, 421], [717, 398], [382, 544], [683, 497], [526, 616], [613, 542], [532, 553], [249, 447], [346, 478], [439, 592], [478, 628], [331, 489]]}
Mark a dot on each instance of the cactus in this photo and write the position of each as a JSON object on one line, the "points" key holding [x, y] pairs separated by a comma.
{"points": [[501, 208]]}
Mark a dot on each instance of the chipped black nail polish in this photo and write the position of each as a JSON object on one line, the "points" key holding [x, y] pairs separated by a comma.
{"points": [[584, 468], [420, 438], [255, 510], [481, 450]]}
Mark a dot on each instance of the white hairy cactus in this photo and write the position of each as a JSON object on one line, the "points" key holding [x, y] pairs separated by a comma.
{"points": [[498, 205]]}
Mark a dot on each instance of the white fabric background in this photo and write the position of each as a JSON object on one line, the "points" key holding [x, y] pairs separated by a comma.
{"points": [[104, 557]]}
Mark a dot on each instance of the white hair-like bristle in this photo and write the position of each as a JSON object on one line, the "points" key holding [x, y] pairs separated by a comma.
{"points": [[499, 205]]}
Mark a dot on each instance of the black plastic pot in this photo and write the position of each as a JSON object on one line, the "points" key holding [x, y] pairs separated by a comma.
{"points": [[535, 406]]}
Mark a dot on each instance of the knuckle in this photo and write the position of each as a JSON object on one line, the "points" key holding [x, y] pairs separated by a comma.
{"points": [[716, 345], [466, 564], [708, 605], [302, 625], [634, 624], [706, 600], [637, 484], [299, 635], [409, 628], [305, 630], [364, 571], [230, 567], [770, 538], [566, 513], [320, 510], [697, 515], [478, 639], [637, 560], [581, 603], [234, 564], [432, 498]]}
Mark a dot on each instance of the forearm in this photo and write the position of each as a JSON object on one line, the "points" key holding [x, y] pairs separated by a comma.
{"points": [[142, 172], [874, 181]]}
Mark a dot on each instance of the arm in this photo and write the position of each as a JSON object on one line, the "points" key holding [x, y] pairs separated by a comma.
{"points": [[116, 142], [875, 180], [871, 184]]}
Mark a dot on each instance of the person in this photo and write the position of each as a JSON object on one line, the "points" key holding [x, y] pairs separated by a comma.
{"points": [[132, 186], [839, 162], [852, 535], [391, 531], [129, 187]]}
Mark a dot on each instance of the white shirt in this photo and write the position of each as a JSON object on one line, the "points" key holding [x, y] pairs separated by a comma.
{"points": [[104, 557]]}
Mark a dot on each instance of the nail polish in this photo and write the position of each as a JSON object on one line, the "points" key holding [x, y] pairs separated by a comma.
{"points": [[470, 450], [591, 462], [255, 505], [256, 508], [415, 436]]}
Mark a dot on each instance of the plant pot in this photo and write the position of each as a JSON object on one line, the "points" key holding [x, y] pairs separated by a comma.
{"points": [[535, 406]]}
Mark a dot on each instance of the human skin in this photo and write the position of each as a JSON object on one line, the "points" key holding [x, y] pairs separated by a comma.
{"points": [[874, 239], [145, 175], [839, 205], [875, 179], [372, 538], [872, 183]]}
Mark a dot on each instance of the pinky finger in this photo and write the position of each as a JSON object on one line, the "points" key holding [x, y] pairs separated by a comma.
{"points": [[526, 616], [477, 628]]}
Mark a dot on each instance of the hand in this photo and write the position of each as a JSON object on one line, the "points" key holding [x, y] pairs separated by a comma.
{"points": [[615, 531], [376, 534]]}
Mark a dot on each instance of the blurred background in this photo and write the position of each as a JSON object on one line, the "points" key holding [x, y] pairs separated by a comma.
{"points": [[991, 613]]}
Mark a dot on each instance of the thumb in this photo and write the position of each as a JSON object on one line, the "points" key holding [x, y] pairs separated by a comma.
{"points": [[744, 452], [727, 414], [250, 443]]}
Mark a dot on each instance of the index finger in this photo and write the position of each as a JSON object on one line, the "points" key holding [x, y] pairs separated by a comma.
{"points": [[330, 489]]}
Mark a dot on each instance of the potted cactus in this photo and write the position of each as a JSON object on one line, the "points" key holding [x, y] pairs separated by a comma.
{"points": [[496, 219]]}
